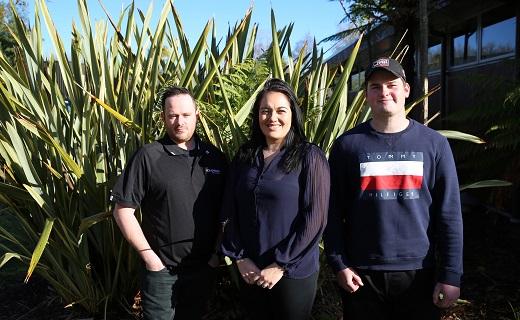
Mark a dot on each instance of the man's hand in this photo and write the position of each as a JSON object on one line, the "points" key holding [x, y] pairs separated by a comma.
{"points": [[349, 280], [270, 276], [132, 232], [152, 260], [444, 295], [248, 270]]}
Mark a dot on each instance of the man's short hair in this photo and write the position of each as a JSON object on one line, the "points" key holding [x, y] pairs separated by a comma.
{"points": [[172, 92], [386, 64]]}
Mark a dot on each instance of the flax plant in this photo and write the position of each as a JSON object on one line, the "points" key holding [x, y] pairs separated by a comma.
{"points": [[71, 120]]}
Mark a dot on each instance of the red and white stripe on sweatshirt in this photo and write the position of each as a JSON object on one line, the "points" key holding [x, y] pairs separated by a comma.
{"points": [[391, 175]]}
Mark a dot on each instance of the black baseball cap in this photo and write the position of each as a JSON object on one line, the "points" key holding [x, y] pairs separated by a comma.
{"points": [[387, 64]]}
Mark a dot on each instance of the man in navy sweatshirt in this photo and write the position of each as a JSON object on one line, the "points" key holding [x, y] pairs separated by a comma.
{"points": [[394, 233]]}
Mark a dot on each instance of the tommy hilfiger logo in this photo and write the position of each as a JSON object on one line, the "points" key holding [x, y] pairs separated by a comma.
{"points": [[391, 175]]}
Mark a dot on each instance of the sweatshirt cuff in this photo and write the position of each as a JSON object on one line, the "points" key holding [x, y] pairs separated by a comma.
{"points": [[449, 277]]}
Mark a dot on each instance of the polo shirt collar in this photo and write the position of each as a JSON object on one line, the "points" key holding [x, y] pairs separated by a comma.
{"points": [[173, 149]]}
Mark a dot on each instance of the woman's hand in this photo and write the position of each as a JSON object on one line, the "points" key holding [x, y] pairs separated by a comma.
{"points": [[270, 276], [248, 270]]}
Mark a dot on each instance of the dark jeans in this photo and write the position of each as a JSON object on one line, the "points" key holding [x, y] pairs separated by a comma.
{"points": [[389, 295], [184, 295], [289, 299]]}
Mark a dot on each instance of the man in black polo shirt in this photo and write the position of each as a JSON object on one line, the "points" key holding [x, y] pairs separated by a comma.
{"points": [[177, 182]]}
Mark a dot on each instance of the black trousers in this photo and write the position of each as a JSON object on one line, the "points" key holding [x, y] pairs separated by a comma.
{"points": [[168, 295], [289, 299], [389, 295]]}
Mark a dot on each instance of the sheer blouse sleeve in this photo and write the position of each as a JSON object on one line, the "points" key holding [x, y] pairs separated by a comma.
{"points": [[312, 216]]}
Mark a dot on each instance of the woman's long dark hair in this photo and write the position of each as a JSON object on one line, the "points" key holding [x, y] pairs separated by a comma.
{"points": [[295, 141]]}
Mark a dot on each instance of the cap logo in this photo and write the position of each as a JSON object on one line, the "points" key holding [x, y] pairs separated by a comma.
{"points": [[381, 63]]}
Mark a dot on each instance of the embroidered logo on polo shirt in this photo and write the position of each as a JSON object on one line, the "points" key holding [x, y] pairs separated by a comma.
{"points": [[213, 171]]}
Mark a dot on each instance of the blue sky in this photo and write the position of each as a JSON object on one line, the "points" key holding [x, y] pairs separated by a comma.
{"points": [[312, 18]]}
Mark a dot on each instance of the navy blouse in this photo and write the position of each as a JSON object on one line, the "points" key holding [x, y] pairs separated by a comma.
{"points": [[273, 216]]}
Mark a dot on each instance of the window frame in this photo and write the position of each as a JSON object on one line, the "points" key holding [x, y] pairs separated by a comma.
{"points": [[479, 34], [505, 54]]}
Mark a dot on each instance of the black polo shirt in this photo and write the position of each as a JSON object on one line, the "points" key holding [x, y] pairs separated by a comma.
{"points": [[180, 194]]}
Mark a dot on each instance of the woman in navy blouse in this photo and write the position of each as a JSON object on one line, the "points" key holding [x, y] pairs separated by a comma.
{"points": [[275, 204]]}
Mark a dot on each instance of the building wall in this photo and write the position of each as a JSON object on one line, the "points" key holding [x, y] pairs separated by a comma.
{"points": [[474, 85]]}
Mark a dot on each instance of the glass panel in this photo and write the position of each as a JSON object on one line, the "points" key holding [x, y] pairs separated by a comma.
{"points": [[358, 80], [434, 57], [464, 44], [498, 33]]}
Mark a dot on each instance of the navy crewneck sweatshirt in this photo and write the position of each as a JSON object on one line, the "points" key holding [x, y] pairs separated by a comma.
{"points": [[395, 202]]}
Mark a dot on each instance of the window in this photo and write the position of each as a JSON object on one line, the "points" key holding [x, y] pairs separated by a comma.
{"points": [[358, 81], [434, 57], [498, 32], [489, 35], [464, 44]]}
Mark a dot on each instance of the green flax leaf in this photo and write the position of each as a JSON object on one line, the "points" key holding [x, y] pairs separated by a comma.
{"points": [[40, 246]]}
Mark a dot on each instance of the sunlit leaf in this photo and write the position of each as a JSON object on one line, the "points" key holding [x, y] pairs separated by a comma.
{"points": [[486, 184], [92, 220], [46, 136], [457, 135], [40, 247], [8, 256]]}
